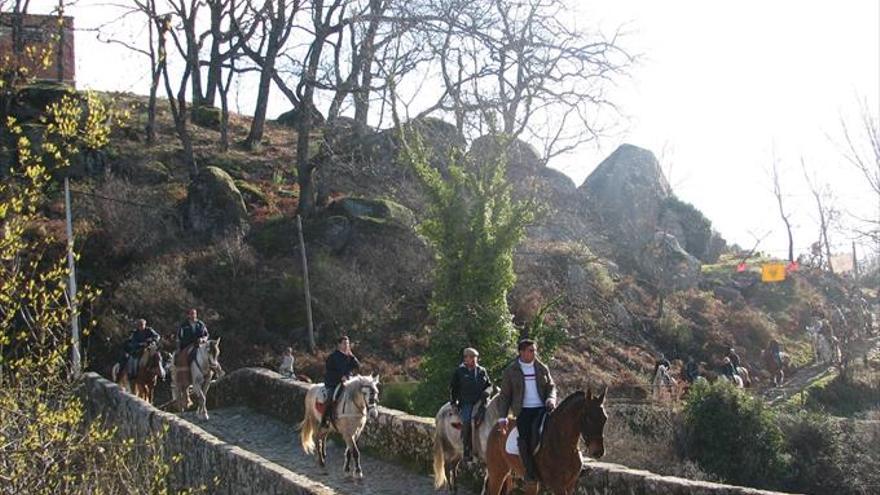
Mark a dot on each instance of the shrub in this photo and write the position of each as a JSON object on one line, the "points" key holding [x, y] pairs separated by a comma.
{"points": [[473, 225], [733, 435], [814, 443], [843, 397]]}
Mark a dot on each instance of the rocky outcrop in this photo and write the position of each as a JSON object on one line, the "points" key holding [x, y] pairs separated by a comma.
{"points": [[291, 118], [670, 266], [627, 190], [214, 206]]}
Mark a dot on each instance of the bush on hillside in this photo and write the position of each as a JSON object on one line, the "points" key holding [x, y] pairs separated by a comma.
{"points": [[473, 226], [733, 435]]}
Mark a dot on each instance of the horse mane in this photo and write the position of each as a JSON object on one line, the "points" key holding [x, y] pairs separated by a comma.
{"points": [[354, 383], [569, 401]]}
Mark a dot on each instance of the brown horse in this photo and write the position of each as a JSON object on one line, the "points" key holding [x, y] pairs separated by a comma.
{"points": [[150, 369], [558, 461]]}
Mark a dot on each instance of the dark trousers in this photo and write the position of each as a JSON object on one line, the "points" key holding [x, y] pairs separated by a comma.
{"points": [[525, 421]]}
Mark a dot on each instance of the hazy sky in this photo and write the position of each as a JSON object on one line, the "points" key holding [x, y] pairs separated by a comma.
{"points": [[720, 85]]}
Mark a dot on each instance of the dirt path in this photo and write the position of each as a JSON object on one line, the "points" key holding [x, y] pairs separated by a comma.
{"points": [[278, 442], [806, 376]]}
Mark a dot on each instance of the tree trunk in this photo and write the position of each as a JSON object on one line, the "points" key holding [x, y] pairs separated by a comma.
{"points": [[255, 135]]}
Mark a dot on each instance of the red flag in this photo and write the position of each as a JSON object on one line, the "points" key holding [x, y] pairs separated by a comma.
{"points": [[792, 267], [741, 267]]}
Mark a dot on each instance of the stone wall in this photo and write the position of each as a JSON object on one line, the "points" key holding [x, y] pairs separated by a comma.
{"points": [[407, 439], [206, 461]]}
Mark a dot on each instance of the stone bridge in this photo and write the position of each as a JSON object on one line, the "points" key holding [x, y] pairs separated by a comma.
{"points": [[250, 447]]}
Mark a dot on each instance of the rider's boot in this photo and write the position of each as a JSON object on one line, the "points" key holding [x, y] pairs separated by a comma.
{"points": [[466, 440], [328, 411], [528, 460]]}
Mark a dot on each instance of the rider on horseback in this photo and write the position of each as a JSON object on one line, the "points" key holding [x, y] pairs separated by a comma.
{"points": [[728, 369], [141, 337], [528, 390], [734, 359], [470, 386], [661, 361], [191, 332], [339, 366]]}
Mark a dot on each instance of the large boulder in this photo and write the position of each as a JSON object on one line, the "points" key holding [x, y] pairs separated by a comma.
{"points": [[214, 206], [521, 156], [374, 212], [291, 118], [668, 264], [692, 229], [628, 191]]}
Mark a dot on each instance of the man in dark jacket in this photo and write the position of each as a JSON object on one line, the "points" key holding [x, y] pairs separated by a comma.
{"points": [[191, 332], [528, 390], [734, 359], [340, 364], [141, 337], [470, 385], [691, 370]]}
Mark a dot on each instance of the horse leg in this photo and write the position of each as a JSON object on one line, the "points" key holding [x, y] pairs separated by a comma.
{"points": [[357, 460], [200, 400], [322, 450]]}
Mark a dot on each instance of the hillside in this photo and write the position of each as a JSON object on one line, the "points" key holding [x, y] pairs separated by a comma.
{"points": [[370, 273]]}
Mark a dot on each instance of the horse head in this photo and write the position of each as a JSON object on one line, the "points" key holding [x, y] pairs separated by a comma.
{"points": [[593, 424], [370, 391], [214, 357]]}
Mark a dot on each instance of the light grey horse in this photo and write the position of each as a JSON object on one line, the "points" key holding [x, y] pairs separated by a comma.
{"points": [[197, 375], [358, 400], [448, 448]]}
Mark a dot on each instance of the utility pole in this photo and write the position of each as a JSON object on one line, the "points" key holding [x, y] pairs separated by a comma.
{"points": [[71, 288], [302, 250]]}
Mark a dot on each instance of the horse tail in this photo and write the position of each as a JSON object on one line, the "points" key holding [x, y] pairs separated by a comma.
{"points": [[307, 427], [439, 459]]}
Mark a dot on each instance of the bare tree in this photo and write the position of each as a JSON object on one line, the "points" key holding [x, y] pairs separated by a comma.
{"points": [[177, 101], [777, 193], [274, 21], [518, 67], [863, 153], [828, 215]]}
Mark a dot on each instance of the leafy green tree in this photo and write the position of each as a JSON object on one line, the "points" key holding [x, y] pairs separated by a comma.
{"points": [[733, 435], [473, 223]]}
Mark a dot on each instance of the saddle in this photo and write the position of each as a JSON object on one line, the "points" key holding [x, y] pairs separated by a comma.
{"points": [[511, 445], [321, 399]]}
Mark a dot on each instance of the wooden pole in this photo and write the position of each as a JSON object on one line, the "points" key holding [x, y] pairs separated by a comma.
{"points": [[71, 288], [302, 250]]}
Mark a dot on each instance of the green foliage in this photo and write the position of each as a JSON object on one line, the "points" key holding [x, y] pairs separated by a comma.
{"points": [[549, 336], [674, 333], [814, 443], [733, 435], [399, 395], [843, 397], [473, 225]]}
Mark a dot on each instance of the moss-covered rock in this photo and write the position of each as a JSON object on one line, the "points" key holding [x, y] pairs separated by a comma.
{"points": [[214, 205], [375, 211], [251, 193], [207, 117]]}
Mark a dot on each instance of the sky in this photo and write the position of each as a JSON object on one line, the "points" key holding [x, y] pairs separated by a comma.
{"points": [[720, 89]]}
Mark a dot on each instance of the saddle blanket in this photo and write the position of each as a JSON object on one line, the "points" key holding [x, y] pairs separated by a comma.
{"points": [[511, 447]]}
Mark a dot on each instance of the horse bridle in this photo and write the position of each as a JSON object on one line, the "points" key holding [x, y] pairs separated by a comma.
{"points": [[372, 401]]}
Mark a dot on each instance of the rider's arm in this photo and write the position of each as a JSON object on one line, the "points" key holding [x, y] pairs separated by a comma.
{"points": [[504, 397]]}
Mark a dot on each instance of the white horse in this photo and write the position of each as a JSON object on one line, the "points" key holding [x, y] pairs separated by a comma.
{"points": [[663, 380], [736, 380], [197, 375], [827, 350], [359, 399], [448, 447]]}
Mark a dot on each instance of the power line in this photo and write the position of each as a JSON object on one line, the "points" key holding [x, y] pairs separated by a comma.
{"points": [[122, 201]]}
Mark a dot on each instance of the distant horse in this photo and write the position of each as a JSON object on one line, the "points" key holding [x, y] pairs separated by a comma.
{"points": [[743, 373], [663, 380], [558, 460], [776, 367], [197, 375], [448, 448], [359, 399], [827, 349]]}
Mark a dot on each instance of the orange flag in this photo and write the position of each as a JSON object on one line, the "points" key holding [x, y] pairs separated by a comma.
{"points": [[773, 272]]}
